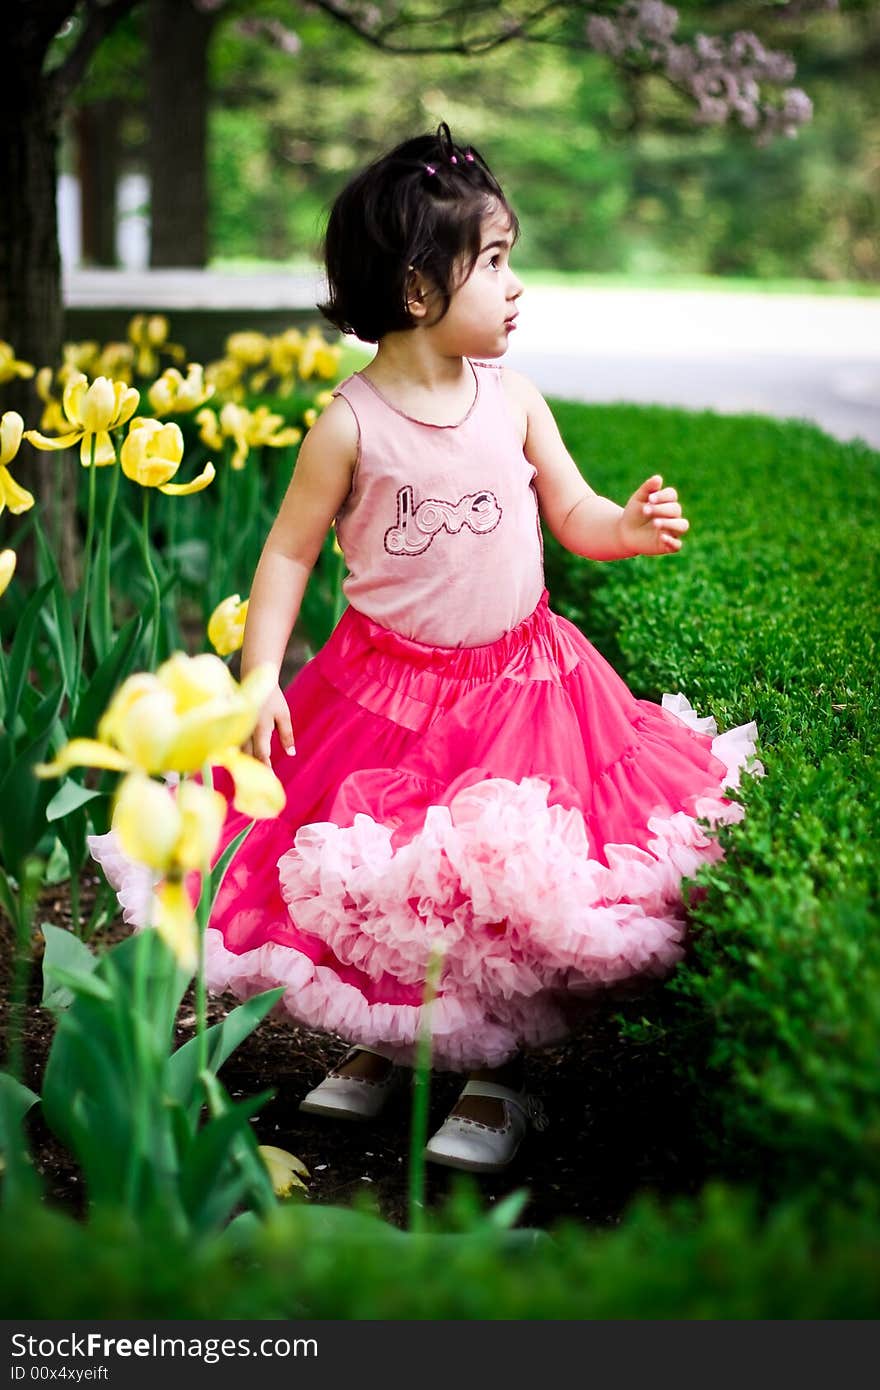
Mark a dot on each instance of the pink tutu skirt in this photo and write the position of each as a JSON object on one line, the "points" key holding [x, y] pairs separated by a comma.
{"points": [[511, 807]]}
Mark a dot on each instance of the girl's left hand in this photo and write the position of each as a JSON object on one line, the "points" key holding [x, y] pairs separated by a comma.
{"points": [[652, 523]]}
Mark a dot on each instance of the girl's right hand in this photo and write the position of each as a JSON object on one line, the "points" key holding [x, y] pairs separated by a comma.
{"points": [[274, 714]]}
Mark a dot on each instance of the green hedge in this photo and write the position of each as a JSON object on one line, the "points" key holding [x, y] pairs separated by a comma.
{"points": [[769, 613], [712, 1258]]}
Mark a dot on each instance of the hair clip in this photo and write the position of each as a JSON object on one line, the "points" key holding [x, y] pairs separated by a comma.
{"points": [[469, 156], [429, 168], [453, 159]]}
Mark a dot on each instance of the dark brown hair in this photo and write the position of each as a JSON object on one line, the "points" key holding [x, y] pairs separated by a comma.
{"points": [[419, 207]]}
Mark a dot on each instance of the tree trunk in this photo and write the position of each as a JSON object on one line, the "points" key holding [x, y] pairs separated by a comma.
{"points": [[30, 271], [177, 99], [97, 138]]}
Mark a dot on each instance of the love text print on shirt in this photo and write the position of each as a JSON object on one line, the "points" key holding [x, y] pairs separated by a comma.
{"points": [[417, 526]]}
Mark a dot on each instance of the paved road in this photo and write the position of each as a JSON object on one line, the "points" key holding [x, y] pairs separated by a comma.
{"points": [[804, 357], [812, 357]]}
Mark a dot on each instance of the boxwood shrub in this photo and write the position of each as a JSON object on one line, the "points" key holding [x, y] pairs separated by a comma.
{"points": [[768, 613]]}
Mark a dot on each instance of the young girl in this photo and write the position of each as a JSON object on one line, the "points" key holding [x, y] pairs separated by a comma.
{"points": [[465, 774]]}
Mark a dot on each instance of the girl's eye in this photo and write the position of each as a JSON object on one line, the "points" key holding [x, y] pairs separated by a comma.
{"points": [[495, 261]]}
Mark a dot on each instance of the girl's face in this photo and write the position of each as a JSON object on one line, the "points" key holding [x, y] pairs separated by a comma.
{"points": [[481, 316]]}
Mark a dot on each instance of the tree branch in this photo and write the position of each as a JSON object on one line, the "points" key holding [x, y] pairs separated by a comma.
{"points": [[367, 22], [99, 20]]}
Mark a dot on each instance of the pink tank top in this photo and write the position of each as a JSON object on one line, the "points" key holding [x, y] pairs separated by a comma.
{"points": [[440, 531]]}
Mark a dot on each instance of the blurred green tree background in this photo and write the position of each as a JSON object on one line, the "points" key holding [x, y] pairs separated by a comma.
{"points": [[608, 171]]}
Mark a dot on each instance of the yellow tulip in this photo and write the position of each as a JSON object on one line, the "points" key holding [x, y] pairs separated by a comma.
{"points": [[248, 348], [210, 432], [11, 429], [234, 423], [80, 357], [140, 716], [190, 713], [173, 394], [10, 366], [265, 428], [323, 399], [172, 831], [93, 411], [115, 360], [174, 920], [226, 377], [7, 569], [149, 334], [284, 357], [12, 494], [202, 813], [258, 792], [226, 625], [310, 416], [285, 1169], [85, 752], [317, 356], [285, 349], [249, 429], [152, 453], [147, 821], [193, 681]]}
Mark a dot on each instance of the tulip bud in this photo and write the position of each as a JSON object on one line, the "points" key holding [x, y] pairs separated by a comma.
{"points": [[7, 569], [226, 625]]}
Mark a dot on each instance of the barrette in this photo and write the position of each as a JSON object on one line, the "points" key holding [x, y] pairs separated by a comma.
{"points": [[429, 168], [469, 157], [453, 159]]}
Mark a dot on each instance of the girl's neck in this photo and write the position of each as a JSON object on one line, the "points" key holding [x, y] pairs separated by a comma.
{"points": [[409, 362], [422, 383]]}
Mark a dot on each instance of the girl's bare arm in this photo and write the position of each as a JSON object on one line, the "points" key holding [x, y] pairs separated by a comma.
{"points": [[582, 520], [320, 484]]}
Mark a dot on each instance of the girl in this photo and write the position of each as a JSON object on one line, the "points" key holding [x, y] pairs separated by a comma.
{"points": [[464, 772]]}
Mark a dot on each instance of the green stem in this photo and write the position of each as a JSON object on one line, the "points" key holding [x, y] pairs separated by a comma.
{"points": [[154, 582], [104, 577], [421, 1088], [56, 502], [170, 619], [103, 909], [75, 922], [23, 905], [87, 581], [202, 915], [223, 550], [338, 595], [171, 512], [141, 1079]]}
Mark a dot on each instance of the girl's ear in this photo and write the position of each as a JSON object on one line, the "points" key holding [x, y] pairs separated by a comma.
{"points": [[417, 290]]}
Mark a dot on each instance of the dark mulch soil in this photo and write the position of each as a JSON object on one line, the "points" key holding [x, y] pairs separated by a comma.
{"points": [[620, 1122]]}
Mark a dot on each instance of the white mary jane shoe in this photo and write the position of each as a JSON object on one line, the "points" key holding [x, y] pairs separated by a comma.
{"points": [[352, 1097], [479, 1148]]}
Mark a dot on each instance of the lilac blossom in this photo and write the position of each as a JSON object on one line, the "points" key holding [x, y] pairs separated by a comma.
{"points": [[723, 75]]}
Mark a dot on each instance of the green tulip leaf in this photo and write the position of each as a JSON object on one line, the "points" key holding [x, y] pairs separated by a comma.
{"points": [[20, 657], [223, 1038], [69, 797], [67, 953], [218, 872], [115, 666]]}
